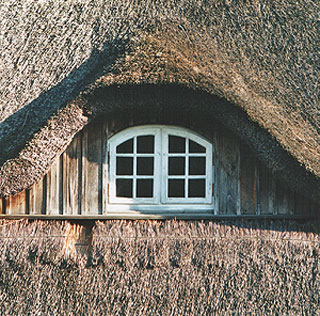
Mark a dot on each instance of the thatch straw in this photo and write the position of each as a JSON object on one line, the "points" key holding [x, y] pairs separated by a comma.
{"points": [[162, 268]]}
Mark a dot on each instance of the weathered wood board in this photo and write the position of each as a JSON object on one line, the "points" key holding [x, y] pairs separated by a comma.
{"points": [[53, 188], [71, 174], [248, 181], [2, 210], [228, 174], [37, 194], [16, 204], [91, 201], [266, 191]]}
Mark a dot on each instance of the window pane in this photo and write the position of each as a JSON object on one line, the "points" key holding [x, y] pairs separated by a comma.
{"points": [[124, 166], [197, 188], [144, 188], [176, 188], [177, 144], [126, 147], [176, 166], [124, 188], [195, 147], [145, 144], [197, 166], [145, 166]]}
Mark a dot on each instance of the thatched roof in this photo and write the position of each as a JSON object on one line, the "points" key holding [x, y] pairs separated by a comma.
{"points": [[161, 268], [259, 58]]}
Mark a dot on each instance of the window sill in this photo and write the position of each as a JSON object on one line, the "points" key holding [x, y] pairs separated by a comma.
{"points": [[162, 216]]}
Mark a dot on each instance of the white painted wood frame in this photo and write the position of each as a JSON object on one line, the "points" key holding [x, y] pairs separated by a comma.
{"points": [[160, 201]]}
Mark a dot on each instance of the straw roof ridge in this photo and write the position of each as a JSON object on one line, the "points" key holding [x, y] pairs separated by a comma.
{"points": [[260, 57]]}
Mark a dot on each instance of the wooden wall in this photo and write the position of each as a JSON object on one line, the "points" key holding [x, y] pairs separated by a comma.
{"points": [[75, 185]]}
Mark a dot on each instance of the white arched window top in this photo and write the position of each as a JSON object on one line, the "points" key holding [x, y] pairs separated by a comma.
{"points": [[160, 168]]}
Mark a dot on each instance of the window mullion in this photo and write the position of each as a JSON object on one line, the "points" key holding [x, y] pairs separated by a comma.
{"points": [[186, 170], [163, 148], [134, 180], [157, 166]]}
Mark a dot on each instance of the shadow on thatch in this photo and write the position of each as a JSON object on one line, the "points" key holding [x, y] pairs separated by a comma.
{"points": [[33, 116]]}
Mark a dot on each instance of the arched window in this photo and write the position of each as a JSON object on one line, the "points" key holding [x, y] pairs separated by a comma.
{"points": [[160, 168]]}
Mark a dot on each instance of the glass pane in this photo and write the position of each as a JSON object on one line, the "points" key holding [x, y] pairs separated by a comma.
{"points": [[145, 166], [124, 166], [197, 166], [177, 144], [126, 147], [145, 144], [124, 188], [197, 188], [195, 147], [144, 188], [176, 188], [176, 166]]}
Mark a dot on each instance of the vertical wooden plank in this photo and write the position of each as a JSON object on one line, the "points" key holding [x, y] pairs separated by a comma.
{"points": [[228, 173], [248, 179], [2, 210], [16, 204], [53, 187], [91, 200], [71, 159], [301, 206], [283, 202], [105, 176], [266, 190], [38, 197], [291, 202], [315, 208]]}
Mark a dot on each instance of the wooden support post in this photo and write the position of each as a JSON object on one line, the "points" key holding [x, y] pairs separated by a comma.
{"points": [[78, 239]]}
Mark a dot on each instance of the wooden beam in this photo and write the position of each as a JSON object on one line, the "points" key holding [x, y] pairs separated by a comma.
{"points": [[157, 216]]}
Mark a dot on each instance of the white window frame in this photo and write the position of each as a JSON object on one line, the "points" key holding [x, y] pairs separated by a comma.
{"points": [[119, 139], [160, 203]]}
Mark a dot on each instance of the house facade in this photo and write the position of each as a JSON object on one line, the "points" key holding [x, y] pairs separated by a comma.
{"points": [[159, 158]]}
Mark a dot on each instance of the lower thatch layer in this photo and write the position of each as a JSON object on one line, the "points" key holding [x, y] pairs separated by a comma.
{"points": [[161, 268]]}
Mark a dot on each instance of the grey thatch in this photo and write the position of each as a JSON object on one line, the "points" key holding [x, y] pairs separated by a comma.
{"points": [[62, 62], [161, 268]]}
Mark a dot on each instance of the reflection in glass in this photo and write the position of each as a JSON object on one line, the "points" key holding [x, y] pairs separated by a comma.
{"points": [[145, 144], [197, 188], [124, 166], [195, 148], [197, 166], [177, 144], [126, 147], [176, 188], [176, 165], [144, 188], [145, 166], [124, 188]]}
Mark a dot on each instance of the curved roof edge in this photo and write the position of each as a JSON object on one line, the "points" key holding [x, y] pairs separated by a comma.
{"points": [[36, 157]]}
